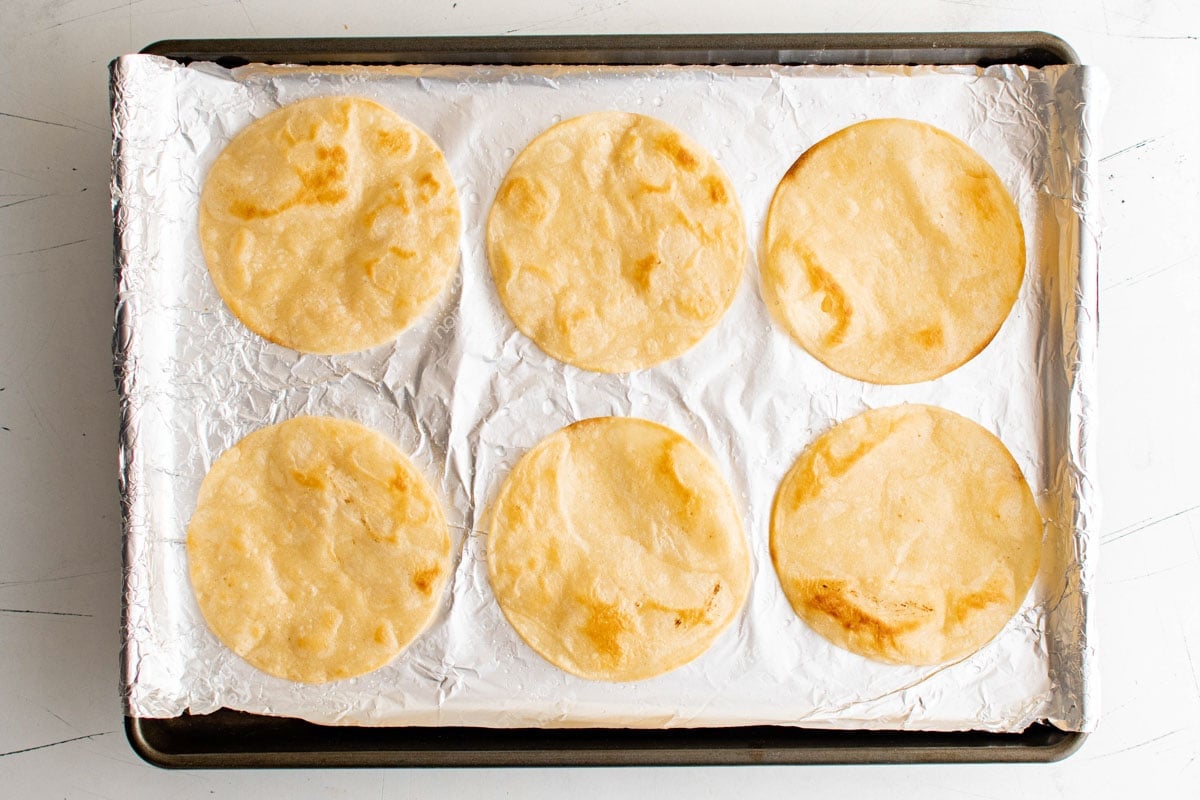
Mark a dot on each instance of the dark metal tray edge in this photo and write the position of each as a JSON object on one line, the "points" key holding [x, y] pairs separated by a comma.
{"points": [[234, 739], [227, 739], [1029, 48]]}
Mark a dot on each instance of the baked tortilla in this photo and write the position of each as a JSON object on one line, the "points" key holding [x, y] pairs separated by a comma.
{"points": [[616, 243], [907, 535], [893, 253], [616, 550], [330, 225], [317, 551]]}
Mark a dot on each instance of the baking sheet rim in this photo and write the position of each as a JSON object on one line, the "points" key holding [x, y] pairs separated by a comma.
{"points": [[593, 45]]}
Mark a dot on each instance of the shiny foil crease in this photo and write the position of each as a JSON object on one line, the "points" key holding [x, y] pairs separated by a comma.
{"points": [[465, 394]]}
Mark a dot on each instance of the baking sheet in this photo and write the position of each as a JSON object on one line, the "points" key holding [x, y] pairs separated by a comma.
{"points": [[465, 394]]}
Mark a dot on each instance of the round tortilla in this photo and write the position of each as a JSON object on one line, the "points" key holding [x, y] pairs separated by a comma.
{"points": [[330, 225], [907, 535], [615, 242], [317, 551], [616, 550], [893, 252]]}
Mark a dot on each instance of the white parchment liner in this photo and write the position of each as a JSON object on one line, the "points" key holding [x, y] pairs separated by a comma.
{"points": [[466, 395]]}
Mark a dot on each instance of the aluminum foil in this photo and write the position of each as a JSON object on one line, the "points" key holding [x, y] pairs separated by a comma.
{"points": [[466, 395]]}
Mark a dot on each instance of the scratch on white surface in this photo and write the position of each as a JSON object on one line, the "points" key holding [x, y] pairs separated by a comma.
{"points": [[81, 124], [35, 119], [1136, 527], [1156, 37], [26, 200], [242, 5], [18, 174], [1151, 574], [1135, 146], [90, 14], [1150, 273], [46, 248], [59, 718], [47, 427], [1139, 745], [55, 744], [584, 11], [7, 584], [1191, 664], [1125, 20], [35, 611]]}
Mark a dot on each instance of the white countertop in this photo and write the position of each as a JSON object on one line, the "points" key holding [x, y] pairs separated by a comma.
{"points": [[60, 716]]}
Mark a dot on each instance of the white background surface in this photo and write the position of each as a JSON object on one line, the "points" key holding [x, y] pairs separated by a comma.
{"points": [[60, 724]]}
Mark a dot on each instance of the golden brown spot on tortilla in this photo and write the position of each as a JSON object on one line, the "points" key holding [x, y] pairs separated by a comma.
{"points": [[400, 252], [399, 481], [962, 607], [693, 227], [671, 144], [568, 321], [293, 137], [687, 496], [390, 537], [932, 336], [835, 303], [526, 198], [320, 631], [396, 198], [653, 188], [836, 466], [643, 269], [823, 465], [321, 185], [393, 141], [603, 628], [846, 607], [805, 156], [369, 267], [248, 211], [383, 634], [531, 272], [428, 187], [690, 617], [977, 186], [716, 190], [308, 480], [423, 579], [399, 198]]}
